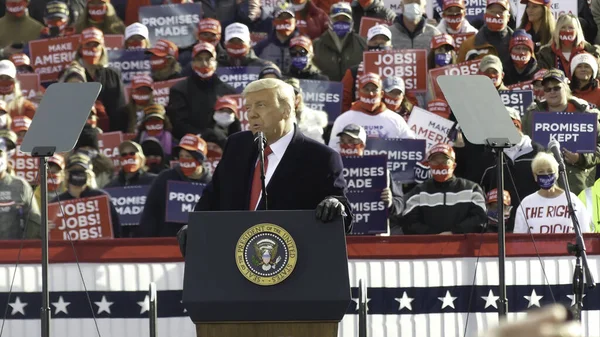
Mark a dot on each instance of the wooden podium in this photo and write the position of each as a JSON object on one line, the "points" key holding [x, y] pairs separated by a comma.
{"points": [[265, 274]]}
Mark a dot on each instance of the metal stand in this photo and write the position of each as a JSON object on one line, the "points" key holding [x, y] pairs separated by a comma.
{"points": [[153, 310], [362, 309], [498, 145]]}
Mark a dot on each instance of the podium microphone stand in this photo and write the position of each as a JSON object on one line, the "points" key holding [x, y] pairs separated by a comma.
{"points": [[56, 126]]}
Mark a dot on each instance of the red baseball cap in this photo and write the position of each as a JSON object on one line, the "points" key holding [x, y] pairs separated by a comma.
{"points": [[195, 145], [91, 34], [142, 80], [20, 59], [20, 123], [442, 40], [453, 3], [439, 107], [204, 46], [546, 3], [164, 48], [303, 42], [503, 3], [369, 78], [58, 160], [209, 25], [442, 148], [226, 102], [492, 196]]}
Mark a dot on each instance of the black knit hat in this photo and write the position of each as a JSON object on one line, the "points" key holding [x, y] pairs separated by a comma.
{"points": [[152, 147], [88, 137], [270, 69]]}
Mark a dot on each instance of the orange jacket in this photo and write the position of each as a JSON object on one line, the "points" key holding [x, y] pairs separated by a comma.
{"points": [[469, 51]]}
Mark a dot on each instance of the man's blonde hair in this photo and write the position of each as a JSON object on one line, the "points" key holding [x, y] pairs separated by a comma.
{"points": [[284, 92]]}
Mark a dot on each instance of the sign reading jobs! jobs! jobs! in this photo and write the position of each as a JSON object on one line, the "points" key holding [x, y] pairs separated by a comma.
{"points": [[410, 64]]}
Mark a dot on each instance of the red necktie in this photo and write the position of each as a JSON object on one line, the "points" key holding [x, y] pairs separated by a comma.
{"points": [[256, 190]]}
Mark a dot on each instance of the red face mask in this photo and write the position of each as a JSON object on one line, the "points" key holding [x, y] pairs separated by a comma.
{"points": [[54, 181], [7, 87], [136, 44], [154, 128], [97, 12], [236, 50], [441, 173], [16, 8], [140, 98], [392, 103], [129, 164], [284, 27], [453, 21], [204, 72], [567, 38], [188, 166], [520, 59], [364, 3], [369, 102], [349, 150], [495, 24], [158, 63], [91, 55]]}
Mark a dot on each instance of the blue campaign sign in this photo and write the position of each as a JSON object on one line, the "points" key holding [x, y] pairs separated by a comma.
{"points": [[182, 197], [323, 95], [370, 213], [474, 9], [238, 77], [403, 155], [129, 202], [518, 99], [575, 131], [176, 23], [366, 172], [130, 63]]}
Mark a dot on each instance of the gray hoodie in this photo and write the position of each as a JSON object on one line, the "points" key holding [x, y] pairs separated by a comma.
{"points": [[16, 206]]}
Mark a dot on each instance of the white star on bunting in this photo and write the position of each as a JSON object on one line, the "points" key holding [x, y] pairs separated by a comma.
{"points": [[490, 299], [448, 300], [144, 305], [405, 301], [572, 298], [104, 305], [61, 306], [534, 299], [18, 306]]}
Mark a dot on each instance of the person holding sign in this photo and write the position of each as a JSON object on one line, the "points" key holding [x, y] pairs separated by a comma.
{"points": [[523, 61], [80, 182], [56, 179], [275, 47], [133, 164], [370, 112], [454, 19], [192, 151], [538, 21], [163, 61], [546, 211], [410, 29], [584, 84], [442, 52], [491, 66], [302, 67], [444, 204], [56, 19], [100, 14], [238, 50], [136, 37]]}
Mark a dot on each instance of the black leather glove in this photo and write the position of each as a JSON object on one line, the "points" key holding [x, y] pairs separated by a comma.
{"points": [[182, 239], [329, 208]]}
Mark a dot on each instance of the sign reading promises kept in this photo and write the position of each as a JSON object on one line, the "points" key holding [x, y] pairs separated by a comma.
{"points": [[576, 132], [81, 219]]}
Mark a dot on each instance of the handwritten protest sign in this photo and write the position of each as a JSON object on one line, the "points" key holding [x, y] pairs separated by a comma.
{"points": [[182, 197], [50, 56], [429, 126], [464, 68], [25, 166], [177, 23], [369, 211], [366, 23], [575, 132], [114, 42], [460, 38], [238, 77], [129, 202], [130, 63], [83, 219], [108, 143], [518, 99], [403, 155], [30, 84], [410, 64], [241, 114], [323, 95]]}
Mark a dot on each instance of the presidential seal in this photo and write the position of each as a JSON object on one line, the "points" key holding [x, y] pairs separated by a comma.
{"points": [[266, 254]]}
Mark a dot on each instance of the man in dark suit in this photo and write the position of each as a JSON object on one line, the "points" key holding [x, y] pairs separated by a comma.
{"points": [[300, 173]]}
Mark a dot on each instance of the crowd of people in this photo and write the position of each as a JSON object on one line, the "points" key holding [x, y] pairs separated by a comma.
{"points": [[454, 187]]}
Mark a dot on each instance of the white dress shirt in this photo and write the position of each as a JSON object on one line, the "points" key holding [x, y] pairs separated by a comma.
{"points": [[278, 150]]}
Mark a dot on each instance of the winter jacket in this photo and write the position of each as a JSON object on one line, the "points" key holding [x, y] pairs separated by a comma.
{"points": [[587, 20], [18, 30], [91, 192], [152, 221], [579, 173], [112, 94], [524, 76], [273, 50], [589, 93], [456, 205], [310, 73], [312, 21], [251, 60], [141, 177], [333, 56], [595, 8], [191, 105], [376, 10], [17, 206], [550, 57], [112, 24], [419, 39]]}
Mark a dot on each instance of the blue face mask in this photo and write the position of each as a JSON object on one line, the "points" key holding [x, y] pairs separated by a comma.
{"points": [[300, 62], [442, 60], [546, 181], [342, 28], [492, 215]]}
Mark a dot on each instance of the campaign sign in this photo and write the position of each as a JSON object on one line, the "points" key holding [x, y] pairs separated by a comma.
{"points": [[30, 84], [474, 9], [162, 90], [557, 8], [429, 126], [403, 155], [129, 202], [460, 38], [256, 37], [527, 85], [410, 64], [366, 23], [241, 114], [50, 56], [25, 166], [108, 143], [81, 219], [518, 99], [323, 95], [575, 132], [130, 63], [176, 23], [366, 172], [464, 68], [238, 77], [369, 211], [211, 164], [182, 197], [114, 42]]}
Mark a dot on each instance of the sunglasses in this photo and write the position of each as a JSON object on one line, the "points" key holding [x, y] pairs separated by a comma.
{"points": [[125, 154], [298, 52], [555, 89]]}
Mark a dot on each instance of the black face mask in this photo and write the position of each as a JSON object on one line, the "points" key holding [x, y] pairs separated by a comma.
{"points": [[155, 168], [54, 31], [77, 178], [380, 47]]}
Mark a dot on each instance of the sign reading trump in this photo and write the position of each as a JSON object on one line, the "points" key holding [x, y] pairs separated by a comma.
{"points": [[80, 219]]}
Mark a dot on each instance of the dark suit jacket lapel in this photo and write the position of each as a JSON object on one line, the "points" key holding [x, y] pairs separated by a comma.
{"points": [[248, 159]]}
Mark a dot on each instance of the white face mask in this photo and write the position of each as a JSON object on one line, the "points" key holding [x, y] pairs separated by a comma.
{"points": [[3, 121], [413, 12], [223, 119]]}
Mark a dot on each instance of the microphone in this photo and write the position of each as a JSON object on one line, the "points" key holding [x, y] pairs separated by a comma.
{"points": [[260, 138], [554, 147]]}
